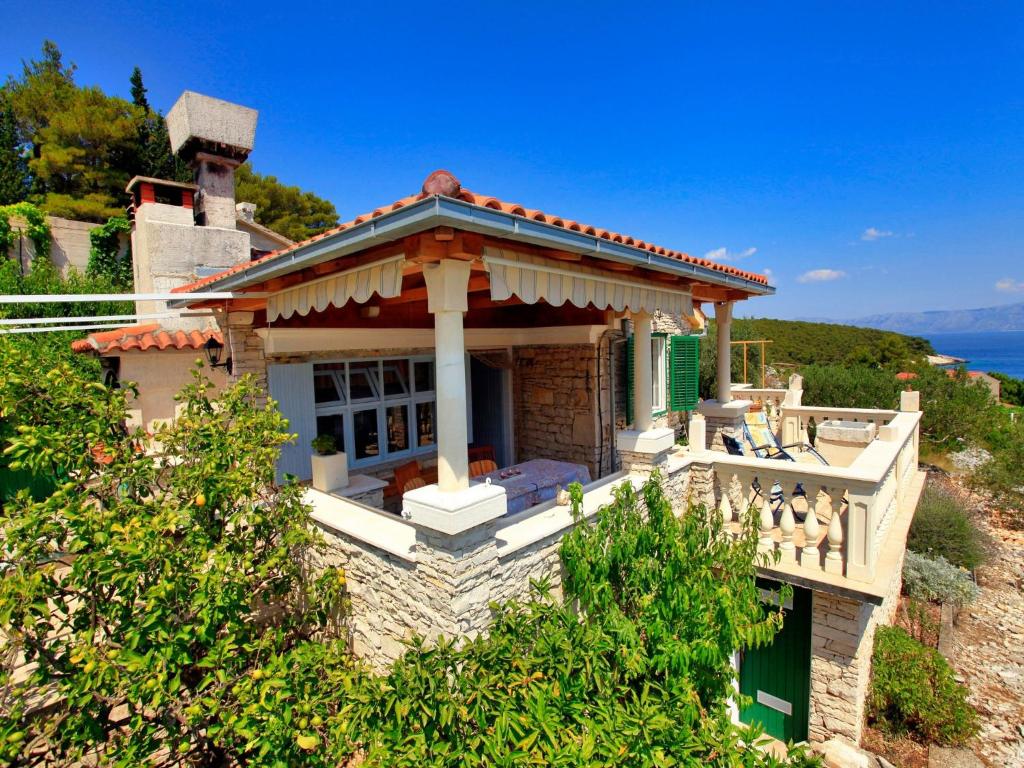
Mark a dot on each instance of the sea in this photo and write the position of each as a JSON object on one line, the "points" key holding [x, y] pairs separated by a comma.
{"points": [[1000, 351]]}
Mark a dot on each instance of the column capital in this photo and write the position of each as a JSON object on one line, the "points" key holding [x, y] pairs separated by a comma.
{"points": [[447, 285]]}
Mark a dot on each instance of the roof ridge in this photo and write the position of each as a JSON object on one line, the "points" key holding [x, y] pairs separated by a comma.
{"points": [[443, 181]]}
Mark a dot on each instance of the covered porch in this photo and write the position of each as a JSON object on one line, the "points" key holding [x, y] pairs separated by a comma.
{"points": [[470, 366]]}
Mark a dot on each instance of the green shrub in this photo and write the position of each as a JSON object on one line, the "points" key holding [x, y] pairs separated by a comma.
{"points": [[936, 580], [942, 528], [913, 692], [1002, 475], [849, 386]]}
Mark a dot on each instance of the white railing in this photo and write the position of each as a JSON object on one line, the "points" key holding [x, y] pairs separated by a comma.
{"points": [[846, 511]]}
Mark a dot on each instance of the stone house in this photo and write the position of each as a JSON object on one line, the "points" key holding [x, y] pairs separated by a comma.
{"points": [[451, 325]]}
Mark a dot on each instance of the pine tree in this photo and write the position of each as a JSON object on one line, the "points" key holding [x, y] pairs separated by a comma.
{"points": [[14, 176], [154, 148], [45, 88], [139, 90]]}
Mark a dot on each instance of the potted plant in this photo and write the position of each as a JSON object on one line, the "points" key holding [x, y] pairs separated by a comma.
{"points": [[330, 466]]}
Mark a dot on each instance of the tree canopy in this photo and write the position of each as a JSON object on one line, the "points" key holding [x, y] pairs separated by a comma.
{"points": [[14, 174], [72, 149], [287, 210]]}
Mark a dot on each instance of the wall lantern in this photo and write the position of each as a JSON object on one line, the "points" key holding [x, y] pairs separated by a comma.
{"points": [[214, 349]]}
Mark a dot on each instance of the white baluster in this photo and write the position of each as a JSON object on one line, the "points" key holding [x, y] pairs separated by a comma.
{"points": [[725, 509], [787, 525], [834, 558], [809, 557], [767, 520]]}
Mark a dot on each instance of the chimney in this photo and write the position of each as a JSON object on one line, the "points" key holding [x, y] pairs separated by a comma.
{"points": [[246, 212], [215, 137], [168, 248]]}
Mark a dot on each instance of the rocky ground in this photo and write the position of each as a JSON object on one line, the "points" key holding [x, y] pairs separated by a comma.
{"points": [[988, 643]]}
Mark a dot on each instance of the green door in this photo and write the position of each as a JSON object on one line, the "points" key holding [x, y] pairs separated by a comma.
{"points": [[778, 677]]}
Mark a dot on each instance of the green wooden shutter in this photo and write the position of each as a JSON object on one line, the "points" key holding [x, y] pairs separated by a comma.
{"points": [[629, 380], [684, 372]]}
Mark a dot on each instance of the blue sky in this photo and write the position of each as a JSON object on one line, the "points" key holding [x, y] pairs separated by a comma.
{"points": [[871, 156]]}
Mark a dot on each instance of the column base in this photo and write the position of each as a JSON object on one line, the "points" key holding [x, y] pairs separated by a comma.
{"points": [[723, 417], [643, 452], [454, 512], [651, 441]]}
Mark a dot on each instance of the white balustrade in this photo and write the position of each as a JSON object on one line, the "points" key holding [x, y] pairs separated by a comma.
{"points": [[864, 498]]}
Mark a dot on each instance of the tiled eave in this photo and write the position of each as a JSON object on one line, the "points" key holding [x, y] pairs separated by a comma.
{"points": [[438, 211]]}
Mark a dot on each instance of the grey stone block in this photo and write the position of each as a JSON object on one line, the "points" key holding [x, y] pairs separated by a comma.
{"points": [[212, 122]]}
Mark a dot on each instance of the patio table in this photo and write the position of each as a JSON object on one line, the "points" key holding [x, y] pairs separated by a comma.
{"points": [[537, 480]]}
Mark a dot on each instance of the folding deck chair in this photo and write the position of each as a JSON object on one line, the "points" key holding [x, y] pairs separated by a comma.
{"points": [[763, 443]]}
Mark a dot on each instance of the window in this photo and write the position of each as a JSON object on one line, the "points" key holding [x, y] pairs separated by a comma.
{"points": [[381, 409], [659, 374], [675, 373]]}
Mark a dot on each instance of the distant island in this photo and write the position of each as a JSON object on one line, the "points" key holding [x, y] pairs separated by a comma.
{"points": [[1008, 317]]}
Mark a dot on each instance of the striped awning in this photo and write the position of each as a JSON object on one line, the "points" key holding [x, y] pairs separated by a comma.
{"points": [[532, 278], [360, 283]]}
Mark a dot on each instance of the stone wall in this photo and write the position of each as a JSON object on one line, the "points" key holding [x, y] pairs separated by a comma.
{"points": [[555, 404], [842, 642], [445, 592]]}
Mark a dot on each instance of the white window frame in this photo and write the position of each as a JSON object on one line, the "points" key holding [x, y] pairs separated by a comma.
{"points": [[659, 374], [380, 404]]}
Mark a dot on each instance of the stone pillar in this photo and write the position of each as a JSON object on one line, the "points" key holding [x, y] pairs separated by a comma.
{"points": [[723, 326], [698, 437], [642, 374], [245, 348], [447, 285], [910, 401], [727, 418], [789, 422], [842, 634]]}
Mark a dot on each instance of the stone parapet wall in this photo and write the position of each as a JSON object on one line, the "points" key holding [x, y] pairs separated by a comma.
{"points": [[388, 602], [539, 562]]}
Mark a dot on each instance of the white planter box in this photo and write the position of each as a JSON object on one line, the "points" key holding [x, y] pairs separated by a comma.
{"points": [[330, 472]]}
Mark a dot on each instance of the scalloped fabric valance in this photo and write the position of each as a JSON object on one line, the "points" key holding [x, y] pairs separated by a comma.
{"points": [[533, 278], [383, 278]]}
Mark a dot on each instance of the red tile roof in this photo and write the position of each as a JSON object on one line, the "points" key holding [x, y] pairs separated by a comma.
{"points": [[143, 337], [445, 184]]}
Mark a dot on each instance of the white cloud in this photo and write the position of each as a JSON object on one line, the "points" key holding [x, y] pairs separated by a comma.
{"points": [[1009, 285], [871, 233], [820, 276], [723, 254]]}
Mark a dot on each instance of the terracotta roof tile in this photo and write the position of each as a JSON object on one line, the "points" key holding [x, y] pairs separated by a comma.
{"points": [[443, 183], [142, 338]]}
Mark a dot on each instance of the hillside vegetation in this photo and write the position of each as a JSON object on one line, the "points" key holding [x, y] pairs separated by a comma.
{"points": [[802, 343]]}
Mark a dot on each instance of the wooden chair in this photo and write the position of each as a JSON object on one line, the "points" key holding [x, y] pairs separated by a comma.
{"points": [[481, 467], [479, 452], [406, 474], [416, 482]]}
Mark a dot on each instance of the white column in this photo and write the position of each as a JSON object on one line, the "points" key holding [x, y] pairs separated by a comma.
{"points": [[642, 383], [723, 326], [447, 284]]}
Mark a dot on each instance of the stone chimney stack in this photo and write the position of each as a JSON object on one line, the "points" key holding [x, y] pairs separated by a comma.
{"points": [[168, 248], [215, 137]]}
